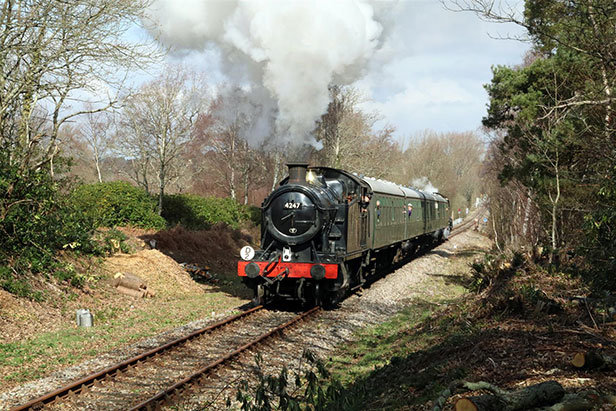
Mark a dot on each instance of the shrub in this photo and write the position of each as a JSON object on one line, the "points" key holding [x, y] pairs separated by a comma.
{"points": [[117, 203], [200, 213], [310, 388], [254, 213], [36, 221], [599, 247], [18, 286]]}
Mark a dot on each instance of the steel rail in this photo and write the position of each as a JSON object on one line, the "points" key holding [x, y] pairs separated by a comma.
{"points": [[155, 402], [459, 229], [84, 383]]}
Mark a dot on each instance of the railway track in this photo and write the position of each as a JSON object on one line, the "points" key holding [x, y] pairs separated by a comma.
{"points": [[150, 379], [179, 364], [460, 228], [175, 390]]}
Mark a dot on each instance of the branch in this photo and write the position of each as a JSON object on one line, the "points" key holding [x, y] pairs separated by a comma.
{"points": [[6, 210], [572, 103], [485, 10], [82, 112]]}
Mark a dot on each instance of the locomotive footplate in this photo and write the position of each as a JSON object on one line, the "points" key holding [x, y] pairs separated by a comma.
{"points": [[293, 270]]}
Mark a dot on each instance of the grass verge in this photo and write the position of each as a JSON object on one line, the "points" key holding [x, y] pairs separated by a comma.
{"points": [[115, 327]]}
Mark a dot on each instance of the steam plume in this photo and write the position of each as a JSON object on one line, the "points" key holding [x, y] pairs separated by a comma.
{"points": [[424, 184], [294, 49]]}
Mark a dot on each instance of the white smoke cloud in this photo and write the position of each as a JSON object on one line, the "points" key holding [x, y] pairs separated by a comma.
{"points": [[424, 184], [250, 109], [294, 49]]}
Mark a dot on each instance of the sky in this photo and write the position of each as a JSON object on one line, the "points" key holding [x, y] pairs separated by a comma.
{"points": [[430, 72], [445, 58]]}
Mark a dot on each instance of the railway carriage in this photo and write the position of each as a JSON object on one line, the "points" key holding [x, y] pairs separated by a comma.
{"points": [[325, 231]]}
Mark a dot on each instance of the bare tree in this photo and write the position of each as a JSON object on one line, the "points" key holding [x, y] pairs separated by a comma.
{"points": [[159, 121], [343, 127], [133, 142], [348, 136], [239, 167], [97, 131], [277, 168], [227, 145], [514, 214], [49, 53], [252, 169], [450, 161]]}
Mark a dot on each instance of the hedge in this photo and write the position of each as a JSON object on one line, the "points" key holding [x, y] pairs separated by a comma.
{"points": [[117, 203], [197, 213]]}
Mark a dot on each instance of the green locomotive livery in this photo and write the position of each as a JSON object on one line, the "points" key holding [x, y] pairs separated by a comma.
{"points": [[325, 231]]}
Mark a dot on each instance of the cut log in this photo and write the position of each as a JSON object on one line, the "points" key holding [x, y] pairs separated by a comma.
{"points": [[592, 360], [543, 394], [579, 404], [131, 292], [479, 403], [585, 400], [128, 280]]}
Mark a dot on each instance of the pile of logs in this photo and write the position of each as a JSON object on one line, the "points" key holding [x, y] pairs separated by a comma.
{"points": [[549, 394], [545, 393], [130, 284]]}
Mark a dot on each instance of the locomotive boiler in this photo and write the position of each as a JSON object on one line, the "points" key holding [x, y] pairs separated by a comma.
{"points": [[325, 231]]}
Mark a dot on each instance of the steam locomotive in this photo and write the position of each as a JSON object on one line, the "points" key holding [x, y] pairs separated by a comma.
{"points": [[325, 231]]}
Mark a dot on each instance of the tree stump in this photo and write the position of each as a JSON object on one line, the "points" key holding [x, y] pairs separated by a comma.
{"points": [[480, 402]]}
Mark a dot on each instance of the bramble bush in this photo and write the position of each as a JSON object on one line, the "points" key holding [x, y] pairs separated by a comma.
{"points": [[200, 213], [117, 203]]}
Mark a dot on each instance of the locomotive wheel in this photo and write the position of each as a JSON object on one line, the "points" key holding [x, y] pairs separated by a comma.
{"points": [[259, 298], [318, 297]]}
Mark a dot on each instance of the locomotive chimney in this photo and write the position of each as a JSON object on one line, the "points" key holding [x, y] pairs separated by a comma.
{"points": [[297, 172]]}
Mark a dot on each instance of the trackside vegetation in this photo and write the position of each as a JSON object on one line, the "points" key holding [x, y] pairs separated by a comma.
{"points": [[197, 213], [117, 203], [508, 321], [550, 173], [37, 222], [41, 225]]}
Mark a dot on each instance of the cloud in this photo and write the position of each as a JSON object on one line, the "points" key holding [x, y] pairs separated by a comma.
{"points": [[435, 79]]}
